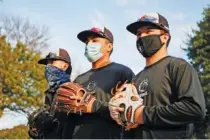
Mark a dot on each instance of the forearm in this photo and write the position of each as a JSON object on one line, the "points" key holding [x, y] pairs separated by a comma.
{"points": [[101, 108], [179, 113], [190, 104]]}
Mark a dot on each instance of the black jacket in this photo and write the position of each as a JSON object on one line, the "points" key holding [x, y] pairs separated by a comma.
{"points": [[60, 132]]}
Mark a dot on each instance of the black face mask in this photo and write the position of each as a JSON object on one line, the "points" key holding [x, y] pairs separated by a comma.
{"points": [[149, 45]]}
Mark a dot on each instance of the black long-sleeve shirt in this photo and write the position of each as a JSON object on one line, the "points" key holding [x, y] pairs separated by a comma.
{"points": [[100, 82], [173, 99]]}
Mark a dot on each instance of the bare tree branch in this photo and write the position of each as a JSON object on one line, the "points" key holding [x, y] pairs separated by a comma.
{"points": [[20, 29]]}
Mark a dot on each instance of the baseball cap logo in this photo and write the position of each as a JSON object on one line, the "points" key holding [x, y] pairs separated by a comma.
{"points": [[95, 29], [148, 18]]}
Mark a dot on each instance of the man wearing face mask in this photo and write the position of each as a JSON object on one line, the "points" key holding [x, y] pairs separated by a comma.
{"points": [[57, 71], [99, 80], [172, 96]]}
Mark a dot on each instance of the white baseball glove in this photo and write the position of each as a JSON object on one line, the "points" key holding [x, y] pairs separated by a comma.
{"points": [[128, 100]]}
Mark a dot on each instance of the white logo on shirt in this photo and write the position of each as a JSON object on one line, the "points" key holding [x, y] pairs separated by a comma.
{"points": [[143, 88], [91, 87]]}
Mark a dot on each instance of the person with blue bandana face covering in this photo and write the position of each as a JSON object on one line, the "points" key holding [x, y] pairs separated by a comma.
{"points": [[57, 71], [99, 80], [55, 76]]}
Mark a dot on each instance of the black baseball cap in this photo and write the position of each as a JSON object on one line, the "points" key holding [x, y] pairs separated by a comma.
{"points": [[61, 54], [101, 32], [152, 19]]}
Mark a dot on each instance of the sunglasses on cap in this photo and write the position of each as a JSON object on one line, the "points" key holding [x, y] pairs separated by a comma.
{"points": [[51, 55]]}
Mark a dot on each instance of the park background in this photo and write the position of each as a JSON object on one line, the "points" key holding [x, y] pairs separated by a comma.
{"points": [[30, 29]]}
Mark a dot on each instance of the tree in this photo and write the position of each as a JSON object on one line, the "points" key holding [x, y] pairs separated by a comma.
{"points": [[22, 81], [18, 132], [198, 52], [19, 29]]}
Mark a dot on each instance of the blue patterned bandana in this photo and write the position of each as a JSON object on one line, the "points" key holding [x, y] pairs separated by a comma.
{"points": [[55, 76]]}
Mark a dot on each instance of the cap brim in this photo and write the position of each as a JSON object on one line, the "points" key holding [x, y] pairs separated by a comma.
{"points": [[83, 36], [133, 27], [44, 61]]}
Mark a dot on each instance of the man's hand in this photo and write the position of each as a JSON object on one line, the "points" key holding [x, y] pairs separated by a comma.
{"points": [[126, 106], [74, 98], [116, 111], [138, 118], [40, 123]]}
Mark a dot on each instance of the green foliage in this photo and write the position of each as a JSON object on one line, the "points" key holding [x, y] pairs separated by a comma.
{"points": [[18, 132], [22, 82], [198, 52]]}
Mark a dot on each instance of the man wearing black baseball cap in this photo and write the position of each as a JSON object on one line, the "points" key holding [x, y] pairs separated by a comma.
{"points": [[99, 80], [99, 45], [169, 86], [57, 71]]}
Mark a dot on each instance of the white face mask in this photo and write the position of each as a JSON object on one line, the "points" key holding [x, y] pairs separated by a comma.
{"points": [[93, 51]]}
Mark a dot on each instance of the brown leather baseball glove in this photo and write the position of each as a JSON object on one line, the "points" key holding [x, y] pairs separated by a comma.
{"points": [[74, 98]]}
